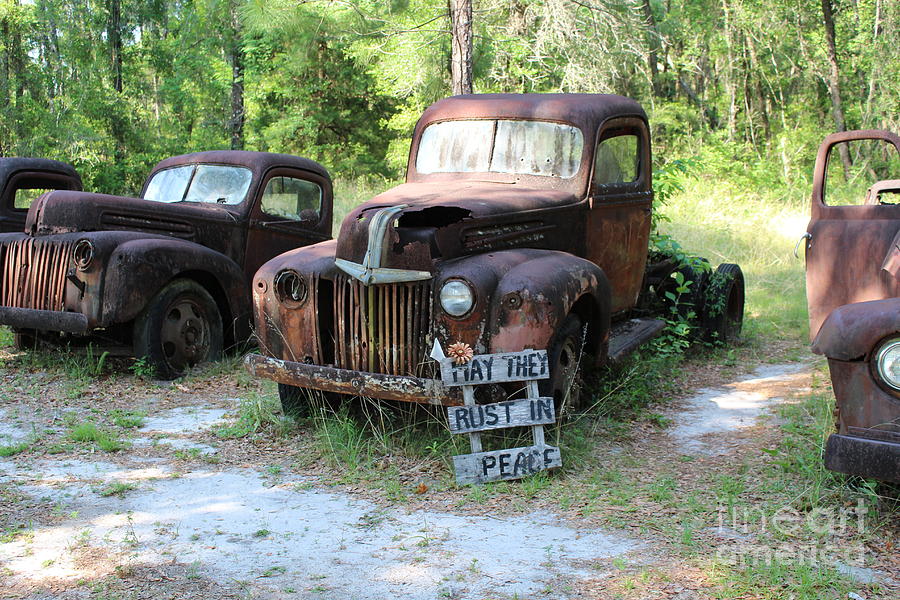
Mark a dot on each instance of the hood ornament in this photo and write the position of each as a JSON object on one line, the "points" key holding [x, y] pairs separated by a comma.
{"points": [[370, 271]]}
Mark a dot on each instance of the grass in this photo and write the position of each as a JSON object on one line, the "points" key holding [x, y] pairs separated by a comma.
{"points": [[116, 489], [758, 232], [89, 433]]}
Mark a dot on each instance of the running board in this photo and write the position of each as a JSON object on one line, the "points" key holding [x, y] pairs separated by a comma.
{"points": [[626, 336]]}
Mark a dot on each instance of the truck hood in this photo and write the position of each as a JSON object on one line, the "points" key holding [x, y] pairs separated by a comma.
{"points": [[69, 212], [436, 217]]}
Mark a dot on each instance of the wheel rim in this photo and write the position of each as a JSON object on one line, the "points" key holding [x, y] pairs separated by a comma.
{"points": [[185, 334], [566, 373]]}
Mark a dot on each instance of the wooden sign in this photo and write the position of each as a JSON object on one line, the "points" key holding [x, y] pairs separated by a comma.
{"points": [[514, 463], [524, 412], [496, 368], [533, 411]]}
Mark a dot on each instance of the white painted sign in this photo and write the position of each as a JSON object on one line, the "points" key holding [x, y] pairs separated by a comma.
{"points": [[496, 368], [524, 412], [532, 411], [514, 463]]}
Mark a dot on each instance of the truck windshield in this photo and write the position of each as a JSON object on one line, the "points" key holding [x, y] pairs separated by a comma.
{"points": [[500, 146], [216, 184]]}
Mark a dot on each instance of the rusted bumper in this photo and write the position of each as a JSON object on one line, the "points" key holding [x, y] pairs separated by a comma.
{"points": [[875, 459], [355, 383], [43, 320]]}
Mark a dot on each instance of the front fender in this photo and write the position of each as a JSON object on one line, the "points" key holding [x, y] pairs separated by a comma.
{"points": [[138, 269], [851, 331], [522, 297]]}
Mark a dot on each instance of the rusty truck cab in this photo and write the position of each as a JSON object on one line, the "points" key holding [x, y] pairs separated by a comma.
{"points": [[112, 270], [523, 223], [853, 293]]}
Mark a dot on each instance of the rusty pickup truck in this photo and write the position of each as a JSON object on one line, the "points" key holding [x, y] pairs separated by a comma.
{"points": [[22, 180], [164, 276], [523, 223], [853, 294]]}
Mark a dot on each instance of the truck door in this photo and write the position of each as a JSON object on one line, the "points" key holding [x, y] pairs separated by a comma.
{"points": [[293, 210], [852, 245], [621, 195]]}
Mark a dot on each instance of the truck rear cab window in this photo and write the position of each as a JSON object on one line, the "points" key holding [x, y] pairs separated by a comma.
{"points": [[865, 171], [213, 184], [25, 196], [501, 146], [292, 199], [617, 160]]}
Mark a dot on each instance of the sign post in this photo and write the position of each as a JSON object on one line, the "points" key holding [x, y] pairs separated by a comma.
{"points": [[532, 411]]}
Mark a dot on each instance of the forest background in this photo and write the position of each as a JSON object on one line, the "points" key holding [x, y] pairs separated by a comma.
{"points": [[746, 88]]}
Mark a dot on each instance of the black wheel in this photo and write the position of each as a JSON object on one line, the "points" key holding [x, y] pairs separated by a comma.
{"points": [[691, 300], [299, 403], [24, 339], [723, 311], [564, 355], [294, 402], [180, 327]]}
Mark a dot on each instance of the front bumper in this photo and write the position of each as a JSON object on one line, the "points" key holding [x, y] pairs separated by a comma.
{"points": [[356, 383], [873, 459], [43, 320]]}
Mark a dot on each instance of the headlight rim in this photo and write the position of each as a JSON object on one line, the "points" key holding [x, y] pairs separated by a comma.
{"points": [[81, 259], [471, 289], [285, 296], [880, 350]]}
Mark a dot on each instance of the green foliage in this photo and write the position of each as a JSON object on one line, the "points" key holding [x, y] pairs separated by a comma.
{"points": [[88, 432], [142, 367]]}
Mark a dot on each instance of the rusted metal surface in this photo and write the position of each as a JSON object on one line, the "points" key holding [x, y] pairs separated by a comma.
{"points": [[20, 174], [851, 331], [137, 246], [852, 283], [532, 248], [354, 383], [848, 244]]}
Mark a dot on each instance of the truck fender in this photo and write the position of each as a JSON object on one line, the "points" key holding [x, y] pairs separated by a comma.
{"points": [[138, 269], [532, 299], [851, 331]]}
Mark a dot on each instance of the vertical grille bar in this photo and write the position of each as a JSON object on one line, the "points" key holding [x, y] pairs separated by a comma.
{"points": [[34, 274], [380, 328]]}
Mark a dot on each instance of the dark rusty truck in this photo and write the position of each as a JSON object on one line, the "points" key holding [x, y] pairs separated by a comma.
{"points": [[523, 223], [853, 293], [164, 276], [22, 180]]}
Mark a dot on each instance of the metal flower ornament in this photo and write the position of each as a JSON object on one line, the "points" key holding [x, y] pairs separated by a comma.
{"points": [[460, 352]]}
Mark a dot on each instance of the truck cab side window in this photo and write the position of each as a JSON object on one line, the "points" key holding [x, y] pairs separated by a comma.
{"points": [[616, 160], [292, 199]]}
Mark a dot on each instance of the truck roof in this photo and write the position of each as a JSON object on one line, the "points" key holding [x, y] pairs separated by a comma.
{"points": [[258, 162], [587, 111], [11, 164]]}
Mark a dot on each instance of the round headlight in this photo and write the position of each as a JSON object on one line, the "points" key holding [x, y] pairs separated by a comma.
{"points": [[457, 298], [83, 254], [290, 287], [887, 363]]}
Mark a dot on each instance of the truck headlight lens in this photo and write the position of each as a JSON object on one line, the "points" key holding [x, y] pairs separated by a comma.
{"points": [[887, 363], [290, 287], [83, 254], [457, 298]]}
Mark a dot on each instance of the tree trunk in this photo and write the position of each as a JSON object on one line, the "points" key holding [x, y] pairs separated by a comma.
{"points": [[236, 58], [460, 46], [653, 47], [834, 86], [114, 38]]}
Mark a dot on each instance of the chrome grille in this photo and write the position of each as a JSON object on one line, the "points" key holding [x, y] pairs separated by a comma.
{"points": [[34, 274], [381, 328]]}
